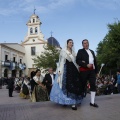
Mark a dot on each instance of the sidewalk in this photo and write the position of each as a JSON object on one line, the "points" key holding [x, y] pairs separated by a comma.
{"points": [[20, 109]]}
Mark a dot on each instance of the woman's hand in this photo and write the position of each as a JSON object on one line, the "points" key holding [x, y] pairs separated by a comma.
{"points": [[44, 87]]}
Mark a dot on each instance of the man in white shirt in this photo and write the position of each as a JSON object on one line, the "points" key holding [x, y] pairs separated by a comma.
{"points": [[88, 69], [49, 80]]}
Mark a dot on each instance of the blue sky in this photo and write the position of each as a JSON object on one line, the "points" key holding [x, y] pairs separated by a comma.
{"points": [[76, 19]]}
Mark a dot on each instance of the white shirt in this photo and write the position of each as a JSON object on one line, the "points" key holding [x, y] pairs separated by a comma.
{"points": [[52, 78], [91, 58]]}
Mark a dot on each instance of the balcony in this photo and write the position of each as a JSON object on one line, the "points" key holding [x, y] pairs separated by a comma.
{"points": [[6, 63], [14, 65]]}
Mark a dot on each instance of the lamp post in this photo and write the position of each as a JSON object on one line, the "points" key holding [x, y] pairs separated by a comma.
{"points": [[101, 68]]}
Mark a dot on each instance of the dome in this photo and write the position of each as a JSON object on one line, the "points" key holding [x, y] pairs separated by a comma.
{"points": [[53, 41]]}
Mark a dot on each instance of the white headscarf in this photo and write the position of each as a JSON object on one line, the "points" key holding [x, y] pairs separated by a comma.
{"points": [[65, 47]]}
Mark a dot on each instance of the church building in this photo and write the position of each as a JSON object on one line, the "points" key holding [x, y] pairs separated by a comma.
{"points": [[17, 59]]}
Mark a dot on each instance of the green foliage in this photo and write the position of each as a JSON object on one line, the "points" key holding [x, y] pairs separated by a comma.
{"points": [[48, 58], [108, 50]]}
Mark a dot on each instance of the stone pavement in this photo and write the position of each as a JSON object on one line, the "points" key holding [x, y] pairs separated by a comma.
{"points": [[21, 109], [4, 99]]}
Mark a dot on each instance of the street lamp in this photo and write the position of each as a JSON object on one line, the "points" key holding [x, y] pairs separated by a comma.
{"points": [[101, 68]]}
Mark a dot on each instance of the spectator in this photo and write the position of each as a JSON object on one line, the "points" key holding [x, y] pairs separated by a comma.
{"points": [[110, 87], [118, 80], [10, 86]]}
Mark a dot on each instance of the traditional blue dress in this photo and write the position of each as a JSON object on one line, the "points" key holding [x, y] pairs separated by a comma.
{"points": [[63, 95]]}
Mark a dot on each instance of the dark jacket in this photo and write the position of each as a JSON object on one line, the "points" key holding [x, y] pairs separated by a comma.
{"points": [[82, 55], [11, 83], [48, 80]]}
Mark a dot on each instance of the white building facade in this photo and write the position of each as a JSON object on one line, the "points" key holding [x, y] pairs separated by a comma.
{"points": [[12, 57]]}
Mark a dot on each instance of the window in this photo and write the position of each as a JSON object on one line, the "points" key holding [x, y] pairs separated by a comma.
{"points": [[20, 73], [33, 20], [20, 60], [36, 30], [6, 57], [32, 50], [31, 30], [13, 59]]}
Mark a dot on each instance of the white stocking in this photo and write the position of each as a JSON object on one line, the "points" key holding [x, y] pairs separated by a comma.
{"points": [[93, 97]]}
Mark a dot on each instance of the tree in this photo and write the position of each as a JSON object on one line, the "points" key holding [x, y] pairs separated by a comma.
{"points": [[108, 50], [48, 58]]}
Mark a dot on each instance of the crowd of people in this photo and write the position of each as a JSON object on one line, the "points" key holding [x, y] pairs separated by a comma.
{"points": [[36, 87], [105, 84], [108, 85]]}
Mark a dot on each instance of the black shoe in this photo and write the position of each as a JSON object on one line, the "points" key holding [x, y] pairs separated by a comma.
{"points": [[74, 108], [94, 105], [10, 96]]}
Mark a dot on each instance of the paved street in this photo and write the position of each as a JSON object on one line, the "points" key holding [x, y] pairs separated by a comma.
{"points": [[20, 109]]}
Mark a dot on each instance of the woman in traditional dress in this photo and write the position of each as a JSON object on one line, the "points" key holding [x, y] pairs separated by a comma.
{"points": [[66, 89], [40, 92], [25, 89]]}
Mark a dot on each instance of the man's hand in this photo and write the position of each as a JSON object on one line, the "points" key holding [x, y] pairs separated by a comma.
{"points": [[89, 65]]}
